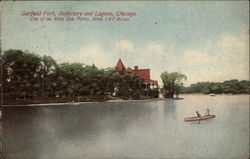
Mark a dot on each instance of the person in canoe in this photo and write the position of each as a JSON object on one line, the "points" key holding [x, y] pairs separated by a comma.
{"points": [[198, 115], [207, 112]]}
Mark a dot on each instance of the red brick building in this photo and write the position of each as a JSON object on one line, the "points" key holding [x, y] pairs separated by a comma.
{"points": [[144, 74]]}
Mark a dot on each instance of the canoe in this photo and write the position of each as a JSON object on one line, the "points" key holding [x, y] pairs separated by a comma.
{"points": [[189, 119], [178, 98], [212, 95]]}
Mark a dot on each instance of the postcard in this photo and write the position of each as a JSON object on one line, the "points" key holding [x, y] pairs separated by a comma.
{"points": [[124, 79]]}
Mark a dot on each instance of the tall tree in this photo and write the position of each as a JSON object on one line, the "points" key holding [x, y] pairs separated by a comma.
{"points": [[47, 75], [22, 69], [172, 82], [124, 84]]}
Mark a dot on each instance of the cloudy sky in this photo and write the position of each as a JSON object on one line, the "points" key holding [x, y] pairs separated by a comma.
{"points": [[206, 41]]}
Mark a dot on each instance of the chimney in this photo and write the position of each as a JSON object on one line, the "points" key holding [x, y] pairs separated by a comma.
{"points": [[136, 67]]}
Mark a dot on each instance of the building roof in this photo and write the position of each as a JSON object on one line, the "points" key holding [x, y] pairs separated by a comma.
{"points": [[120, 66], [144, 74]]}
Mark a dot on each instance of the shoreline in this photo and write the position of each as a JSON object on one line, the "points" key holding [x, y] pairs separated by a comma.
{"points": [[113, 101], [78, 103]]}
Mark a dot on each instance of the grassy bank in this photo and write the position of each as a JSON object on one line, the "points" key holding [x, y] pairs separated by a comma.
{"points": [[95, 98], [21, 101]]}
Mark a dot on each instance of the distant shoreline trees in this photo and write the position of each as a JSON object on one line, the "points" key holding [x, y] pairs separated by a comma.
{"points": [[173, 85], [228, 87]]}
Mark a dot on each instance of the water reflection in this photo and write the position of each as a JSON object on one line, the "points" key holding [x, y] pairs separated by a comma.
{"points": [[135, 129]]}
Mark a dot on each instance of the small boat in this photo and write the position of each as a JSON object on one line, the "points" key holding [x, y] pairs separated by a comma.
{"points": [[189, 119], [178, 98], [212, 95]]}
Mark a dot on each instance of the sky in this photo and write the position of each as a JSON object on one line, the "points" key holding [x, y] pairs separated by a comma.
{"points": [[205, 40]]}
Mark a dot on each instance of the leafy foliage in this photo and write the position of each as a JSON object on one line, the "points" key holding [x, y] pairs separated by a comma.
{"points": [[172, 83], [27, 75], [124, 84], [229, 87], [21, 73]]}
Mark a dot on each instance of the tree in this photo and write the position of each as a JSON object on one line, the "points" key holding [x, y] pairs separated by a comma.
{"points": [[233, 86], [21, 73], [76, 79], [70, 80], [124, 84], [172, 82], [47, 76]]}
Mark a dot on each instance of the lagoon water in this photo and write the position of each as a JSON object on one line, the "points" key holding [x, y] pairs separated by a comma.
{"points": [[129, 129]]}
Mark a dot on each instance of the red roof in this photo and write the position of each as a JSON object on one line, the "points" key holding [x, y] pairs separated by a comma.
{"points": [[120, 66], [144, 74]]}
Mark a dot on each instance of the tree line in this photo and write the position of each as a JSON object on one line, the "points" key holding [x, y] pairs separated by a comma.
{"points": [[27, 75], [228, 87]]}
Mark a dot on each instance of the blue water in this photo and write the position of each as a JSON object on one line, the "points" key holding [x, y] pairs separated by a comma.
{"points": [[129, 129]]}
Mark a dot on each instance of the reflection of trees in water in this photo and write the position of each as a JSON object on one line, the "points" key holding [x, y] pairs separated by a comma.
{"points": [[23, 134], [170, 109], [36, 131]]}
